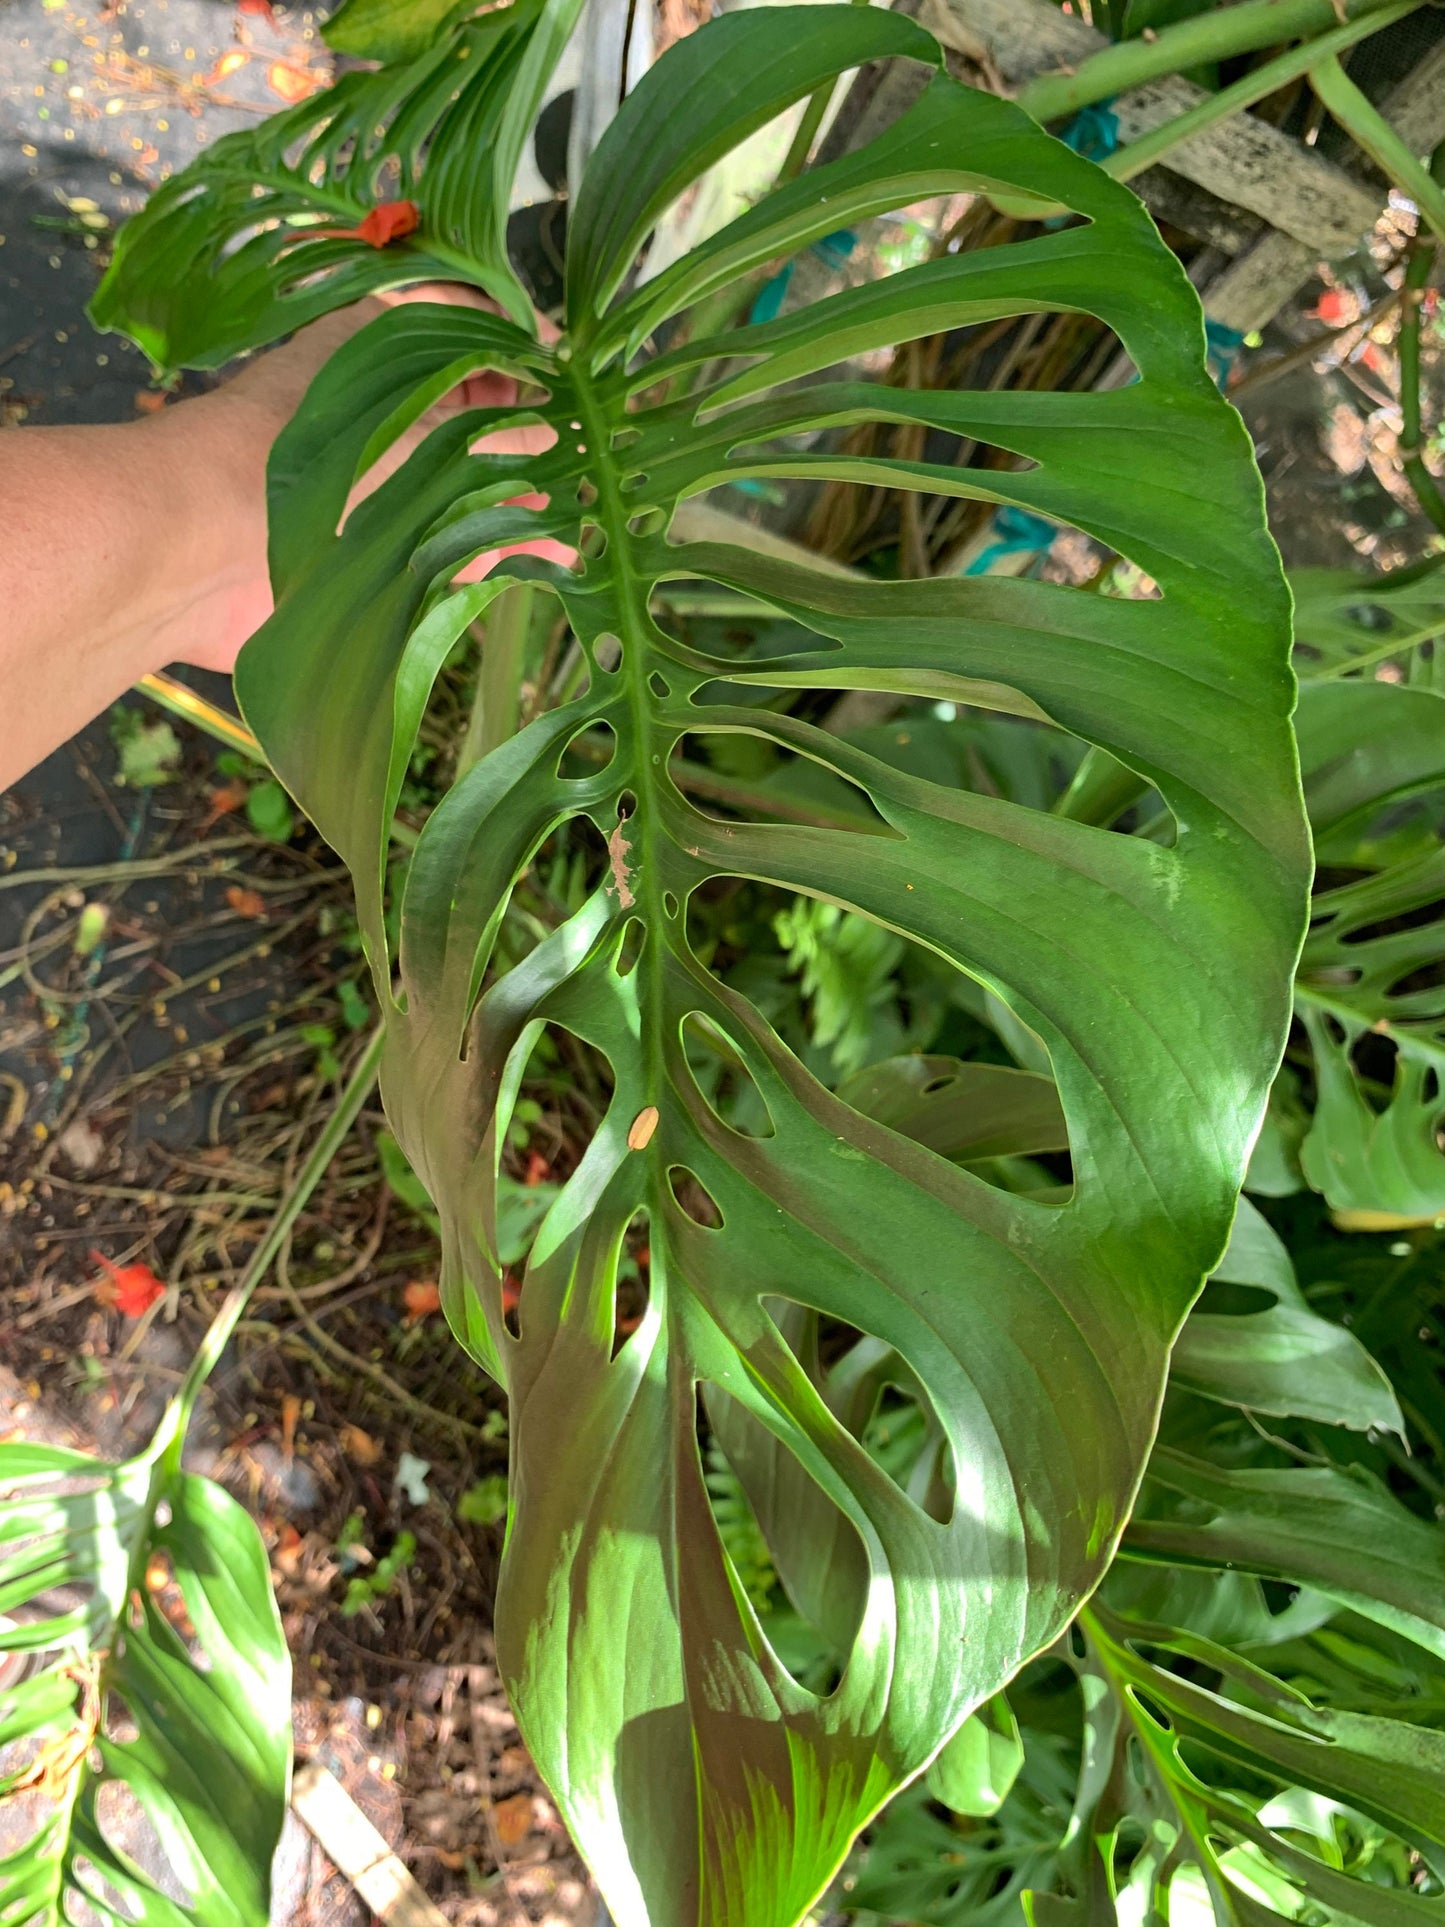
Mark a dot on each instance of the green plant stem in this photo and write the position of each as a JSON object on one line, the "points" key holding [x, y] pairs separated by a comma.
{"points": [[181, 700], [1128, 161], [1217, 35], [1369, 129], [801, 146], [348, 1109], [1418, 265], [499, 677]]}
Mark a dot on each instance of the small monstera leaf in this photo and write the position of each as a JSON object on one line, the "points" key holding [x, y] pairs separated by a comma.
{"points": [[138, 1597], [1282, 1358], [705, 1783], [1183, 1741], [266, 231], [1371, 986]]}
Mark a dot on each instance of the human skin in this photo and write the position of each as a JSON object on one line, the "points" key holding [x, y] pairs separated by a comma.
{"points": [[134, 545]]}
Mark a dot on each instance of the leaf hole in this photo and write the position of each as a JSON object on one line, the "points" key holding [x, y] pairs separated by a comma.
{"points": [[877, 1397], [626, 805], [855, 998], [647, 522], [592, 542], [742, 776], [630, 946], [624, 438], [724, 1082], [607, 653], [131, 1834], [633, 1281], [790, 1553], [588, 753], [1374, 1059], [586, 493], [969, 1113], [693, 1198], [1424, 917], [670, 904], [564, 1088], [659, 685]]}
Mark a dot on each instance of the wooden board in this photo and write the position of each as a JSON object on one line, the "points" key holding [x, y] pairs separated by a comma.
{"points": [[1243, 161]]}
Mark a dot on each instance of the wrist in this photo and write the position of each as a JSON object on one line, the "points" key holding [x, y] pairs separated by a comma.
{"points": [[208, 586]]}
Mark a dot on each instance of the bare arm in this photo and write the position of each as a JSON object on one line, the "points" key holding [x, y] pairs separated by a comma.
{"points": [[132, 546]]}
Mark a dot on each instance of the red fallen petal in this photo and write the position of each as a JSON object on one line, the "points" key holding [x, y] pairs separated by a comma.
{"points": [[511, 1293], [389, 221], [420, 1299], [261, 7], [1334, 307], [130, 1289]]}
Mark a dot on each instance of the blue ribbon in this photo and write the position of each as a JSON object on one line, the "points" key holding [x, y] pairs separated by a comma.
{"points": [[1016, 531]]}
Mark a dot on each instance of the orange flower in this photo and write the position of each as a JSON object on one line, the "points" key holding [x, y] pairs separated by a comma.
{"points": [[387, 222]]}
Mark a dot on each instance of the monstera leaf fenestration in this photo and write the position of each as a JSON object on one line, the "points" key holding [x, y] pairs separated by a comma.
{"points": [[704, 1783]]}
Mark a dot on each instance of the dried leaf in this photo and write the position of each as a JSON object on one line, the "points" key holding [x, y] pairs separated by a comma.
{"points": [[513, 1818], [228, 797], [231, 62], [246, 903], [359, 1446], [290, 83]]}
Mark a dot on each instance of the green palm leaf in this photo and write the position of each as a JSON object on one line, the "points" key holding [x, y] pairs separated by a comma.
{"points": [[705, 1784], [144, 1595], [1371, 974]]}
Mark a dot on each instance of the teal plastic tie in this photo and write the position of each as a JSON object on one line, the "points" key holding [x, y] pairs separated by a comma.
{"points": [[1093, 131], [1016, 531], [833, 251], [1222, 346]]}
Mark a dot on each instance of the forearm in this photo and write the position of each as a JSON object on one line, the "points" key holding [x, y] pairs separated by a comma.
{"points": [[127, 547], [130, 547]]}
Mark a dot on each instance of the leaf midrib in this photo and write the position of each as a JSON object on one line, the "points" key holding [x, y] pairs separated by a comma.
{"points": [[634, 596]]}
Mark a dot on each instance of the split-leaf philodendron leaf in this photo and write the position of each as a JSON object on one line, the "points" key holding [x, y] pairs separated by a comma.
{"points": [[705, 1784]]}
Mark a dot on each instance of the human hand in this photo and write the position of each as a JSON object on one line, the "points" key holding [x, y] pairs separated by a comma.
{"points": [[230, 433]]}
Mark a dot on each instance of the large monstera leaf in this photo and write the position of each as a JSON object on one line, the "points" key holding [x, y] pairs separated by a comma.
{"points": [[1371, 990], [704, 1783]]}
